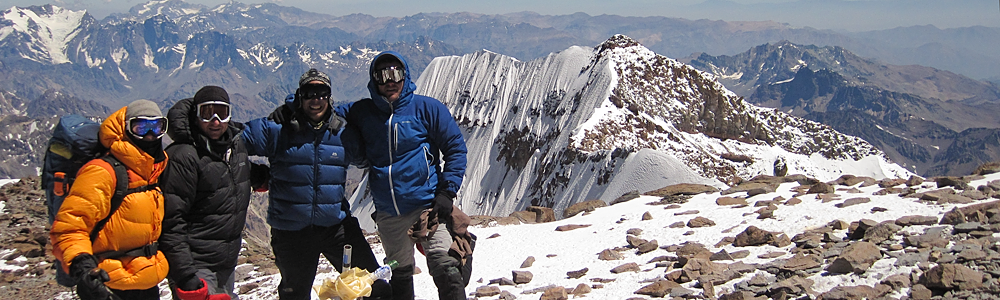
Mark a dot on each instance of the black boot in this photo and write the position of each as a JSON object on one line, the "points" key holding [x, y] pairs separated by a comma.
{"points": [[381, 290], [447, 276], [402, 283]]}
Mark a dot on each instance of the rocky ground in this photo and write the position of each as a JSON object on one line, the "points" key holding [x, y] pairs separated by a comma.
{"points": [[953, 255], [24, 245]]}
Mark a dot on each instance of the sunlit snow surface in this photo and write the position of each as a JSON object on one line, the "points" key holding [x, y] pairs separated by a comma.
{"points": [[556, 253]]}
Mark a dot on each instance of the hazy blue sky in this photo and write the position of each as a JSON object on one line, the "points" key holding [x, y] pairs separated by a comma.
{"points": [[854, 15]]}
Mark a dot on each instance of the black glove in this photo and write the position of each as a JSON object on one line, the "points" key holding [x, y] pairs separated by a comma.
{"points": [[192, 283], [282, 114], [89, 279], [260, 174], [443, 204]]}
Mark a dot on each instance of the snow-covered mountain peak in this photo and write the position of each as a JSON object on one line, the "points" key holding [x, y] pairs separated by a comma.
{"points": [[172, 9], [596, 123], [45, 30]]}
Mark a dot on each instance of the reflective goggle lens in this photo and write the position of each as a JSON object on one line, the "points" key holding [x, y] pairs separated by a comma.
{"points": [[309, 95], [141, 126], [390, 74], [213, 110]]}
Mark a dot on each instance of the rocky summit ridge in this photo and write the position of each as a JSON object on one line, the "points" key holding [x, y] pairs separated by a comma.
{"points": [[596, 123]]}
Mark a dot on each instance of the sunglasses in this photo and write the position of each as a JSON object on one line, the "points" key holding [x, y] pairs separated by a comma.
{"points": [[314, 91], [210, 110], [390, 74], [141, 126], [309, 95]]}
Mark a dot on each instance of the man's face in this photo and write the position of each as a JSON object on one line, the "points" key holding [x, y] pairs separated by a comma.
{"points": [[315, 100], [213, 129], [390, 90]]}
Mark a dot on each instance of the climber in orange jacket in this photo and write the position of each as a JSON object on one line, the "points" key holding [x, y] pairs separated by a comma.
{"points": [[123, 260]]}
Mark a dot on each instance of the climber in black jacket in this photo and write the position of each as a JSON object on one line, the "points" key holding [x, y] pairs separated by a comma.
{"points": [[207, 187]]}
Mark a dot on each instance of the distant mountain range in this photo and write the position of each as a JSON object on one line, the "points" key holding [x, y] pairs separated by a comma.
{"points": [[55, 61], [932, 121]]}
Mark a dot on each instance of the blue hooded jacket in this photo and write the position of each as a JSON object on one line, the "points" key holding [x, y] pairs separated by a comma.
{"points": [[308, 171], [403, 143]]}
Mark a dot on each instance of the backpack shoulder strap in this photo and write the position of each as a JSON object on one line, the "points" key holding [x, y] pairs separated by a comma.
{"points": [[121, 189]]}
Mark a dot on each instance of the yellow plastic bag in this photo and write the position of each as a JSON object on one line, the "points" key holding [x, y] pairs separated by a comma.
{"points": [[352, 284]]}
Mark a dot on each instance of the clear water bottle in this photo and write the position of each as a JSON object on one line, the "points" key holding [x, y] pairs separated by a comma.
{"points": [[384, 272]]}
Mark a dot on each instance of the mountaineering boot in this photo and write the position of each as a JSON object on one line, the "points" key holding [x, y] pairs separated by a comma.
{"points": [[402, 283], [447, 277], [381, 290]]}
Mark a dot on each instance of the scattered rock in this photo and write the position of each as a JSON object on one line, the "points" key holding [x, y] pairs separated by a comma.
{"points": [[849, 293], [542, 214], [659, 289], [629, 267], [881, 232], [856, 258], [571, 227], [487, 291], [528, 262], [952, 276], [683, 189], [581, 289], [753, 236], [609, 254], [801, 262], [821, 188], [853, 201], [585, 206], [726, 201], [987, 168], [700, 222], [634, 241], [916, 220], [648, 247], [554, 293], [577, 274], [522, 277]]}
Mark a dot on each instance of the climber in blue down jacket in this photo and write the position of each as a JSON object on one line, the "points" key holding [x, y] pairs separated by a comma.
{"points": [[307, 208], [402, 138]]}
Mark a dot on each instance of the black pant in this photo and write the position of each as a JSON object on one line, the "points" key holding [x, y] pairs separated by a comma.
{"points": [[296, 253], [152, 293]]}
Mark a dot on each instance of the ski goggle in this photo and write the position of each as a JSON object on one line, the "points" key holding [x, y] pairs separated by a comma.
{"points": [[213, 110], [316, 94], [141, 126], [390, 74]]}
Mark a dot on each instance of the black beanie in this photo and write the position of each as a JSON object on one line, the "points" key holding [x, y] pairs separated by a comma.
{"points": [[211, 93]]}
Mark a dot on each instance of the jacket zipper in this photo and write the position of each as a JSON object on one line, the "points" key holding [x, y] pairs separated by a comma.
{"points": [[316, 163], [392, 138], [427, 162]]}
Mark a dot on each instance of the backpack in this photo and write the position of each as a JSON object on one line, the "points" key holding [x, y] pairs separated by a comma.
{"points": [[74, 143]]}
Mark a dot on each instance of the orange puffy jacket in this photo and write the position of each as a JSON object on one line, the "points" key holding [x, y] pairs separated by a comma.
{"points": [[136, 223]]}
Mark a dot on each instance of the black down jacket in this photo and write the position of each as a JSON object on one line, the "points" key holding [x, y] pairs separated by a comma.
{"points": [[206, 196]]}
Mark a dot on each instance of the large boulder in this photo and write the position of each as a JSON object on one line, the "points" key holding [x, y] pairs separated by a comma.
{"points": [[856, 258], [952, 276]]}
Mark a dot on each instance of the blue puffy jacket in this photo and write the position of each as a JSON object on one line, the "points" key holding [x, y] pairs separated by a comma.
{"points": [[308, 172], [402, 143]]}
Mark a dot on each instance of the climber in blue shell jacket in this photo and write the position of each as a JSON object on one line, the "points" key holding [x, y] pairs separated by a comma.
{"points": [[402, 138], [307, 209]]}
